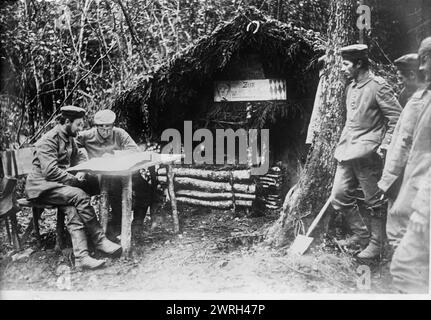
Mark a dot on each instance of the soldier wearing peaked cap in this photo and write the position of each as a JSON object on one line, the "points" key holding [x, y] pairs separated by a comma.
{"points": [[372, 113], [50, 183], [409, 76], [399, 149], [410, 263], [105, 138]]}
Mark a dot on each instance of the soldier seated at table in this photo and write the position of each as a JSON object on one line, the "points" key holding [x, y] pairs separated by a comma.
{"points": [[104, 139], [50, 183]]}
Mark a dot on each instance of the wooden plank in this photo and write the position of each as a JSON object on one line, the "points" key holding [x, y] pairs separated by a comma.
{"points": [[222, 175], [17, 162], [221, 204], [104, 202], [24, 160], [126, 221], [211, 185], [170, 176], [213, 195]]}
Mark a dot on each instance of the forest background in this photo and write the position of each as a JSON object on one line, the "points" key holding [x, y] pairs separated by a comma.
{"points": [[86, 52]]}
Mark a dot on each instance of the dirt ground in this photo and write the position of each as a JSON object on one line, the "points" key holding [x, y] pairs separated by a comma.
{"points": [[218, 252]]}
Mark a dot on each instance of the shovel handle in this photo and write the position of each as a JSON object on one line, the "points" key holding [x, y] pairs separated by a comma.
{"points": [[318, 217]]}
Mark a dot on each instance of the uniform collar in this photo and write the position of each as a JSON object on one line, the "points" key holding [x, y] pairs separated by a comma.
{"points": [[418, 94], [364, 81], [62, 133]]}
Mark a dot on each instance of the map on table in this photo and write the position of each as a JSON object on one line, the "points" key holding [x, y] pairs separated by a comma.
{"points": [[125, 162]]}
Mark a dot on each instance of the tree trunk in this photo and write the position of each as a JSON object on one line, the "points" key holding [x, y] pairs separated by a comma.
{"points": [[315, 182]]}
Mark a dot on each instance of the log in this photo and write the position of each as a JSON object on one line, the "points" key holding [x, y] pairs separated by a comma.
{"points": [[208, 174], [214, 195], [211, 185], [222, 204]]}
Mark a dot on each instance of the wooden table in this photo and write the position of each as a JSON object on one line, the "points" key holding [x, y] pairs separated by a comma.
{"points": [[124, 164]]}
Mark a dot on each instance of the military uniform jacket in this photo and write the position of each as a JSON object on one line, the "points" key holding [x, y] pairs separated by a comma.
{"points": [[418, 164], [405, 96], [96, 146], [53, 154], [399, 149], [372, 113], [421, 203]]}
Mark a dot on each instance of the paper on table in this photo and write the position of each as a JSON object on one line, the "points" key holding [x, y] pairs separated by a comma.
{"points": [[119, 162], [125, 162]]}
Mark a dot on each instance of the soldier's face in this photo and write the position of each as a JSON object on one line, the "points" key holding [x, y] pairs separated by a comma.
{"points": [[425, 65], [72, 128], [105, 130], [408, 81], [349, 70]]}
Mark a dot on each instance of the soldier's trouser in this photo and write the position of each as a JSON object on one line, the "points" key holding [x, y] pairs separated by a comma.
{"points": [[143, 196], [410, 263], [396, 225], [71, 196], [364, 172]]}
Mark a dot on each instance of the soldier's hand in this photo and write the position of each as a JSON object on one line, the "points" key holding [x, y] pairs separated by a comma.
{"points": [[417, 223], [381, 151], [80, 176]]}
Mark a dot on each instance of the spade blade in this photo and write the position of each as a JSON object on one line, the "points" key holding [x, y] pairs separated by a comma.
{"points": [[301, 244]]}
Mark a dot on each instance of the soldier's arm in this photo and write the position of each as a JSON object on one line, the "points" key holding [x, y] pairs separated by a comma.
{"points": [[127, 142], [82, 154], [419, 220], [391, 110], [47, 154]]}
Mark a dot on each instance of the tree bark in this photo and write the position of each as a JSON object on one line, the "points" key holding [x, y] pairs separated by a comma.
{"points": [[313, 188]]}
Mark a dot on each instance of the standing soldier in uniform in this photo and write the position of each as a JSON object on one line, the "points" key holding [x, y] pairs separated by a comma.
{"points": [[409, 76], [410, 263], [399, 149], [103, 139], [50, 183], [372, 113]]}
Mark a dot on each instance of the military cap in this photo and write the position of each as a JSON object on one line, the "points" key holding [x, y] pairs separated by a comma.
{"points": [[408, 62], [72, 112], [354, 51], [425, 46], [105, 116]]}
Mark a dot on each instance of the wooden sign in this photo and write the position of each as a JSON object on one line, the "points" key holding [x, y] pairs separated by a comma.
{"points": [[250, 90]]}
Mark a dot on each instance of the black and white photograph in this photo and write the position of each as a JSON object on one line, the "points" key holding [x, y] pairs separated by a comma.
{"points": [[211, 150]]}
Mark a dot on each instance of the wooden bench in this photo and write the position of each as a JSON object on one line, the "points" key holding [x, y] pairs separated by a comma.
{"points": [[18, 163]]}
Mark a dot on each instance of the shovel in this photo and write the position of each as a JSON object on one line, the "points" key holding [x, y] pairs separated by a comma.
{"points": [[301, 243]]}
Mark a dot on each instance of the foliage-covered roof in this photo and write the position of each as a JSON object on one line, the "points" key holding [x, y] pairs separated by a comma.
{"points": [[167, 93]]}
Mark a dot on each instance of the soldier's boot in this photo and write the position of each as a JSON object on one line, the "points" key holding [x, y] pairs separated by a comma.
{"points": [[100, 241], [354, 241], [138, 219], [360, 237], [374, 248], [80, 251]]}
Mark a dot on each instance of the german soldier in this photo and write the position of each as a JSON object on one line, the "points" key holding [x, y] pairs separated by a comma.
{"points": [[50, 183], [103, 139], [399, 149], [370, 104], [410, 263]]}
